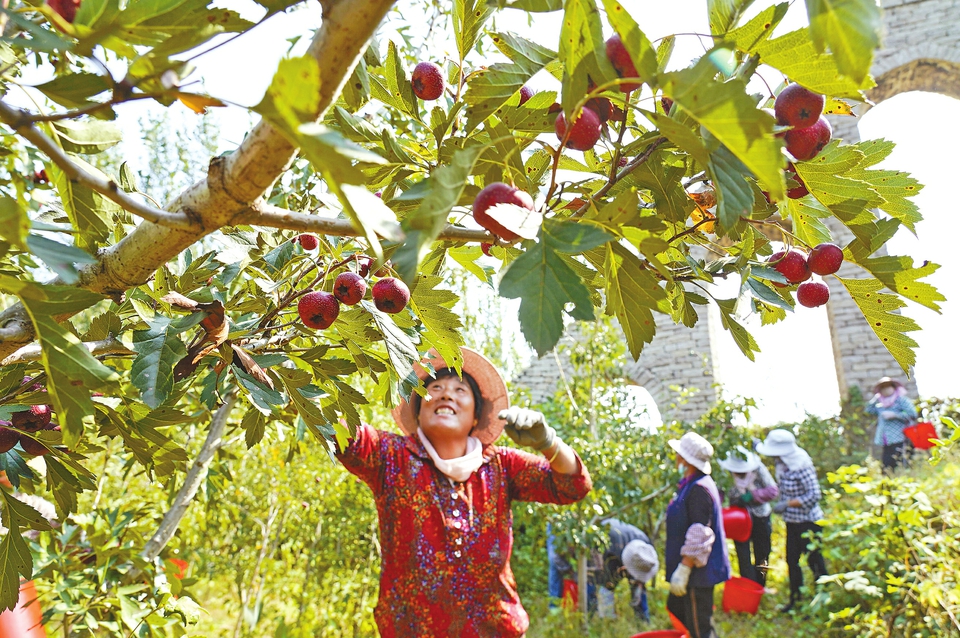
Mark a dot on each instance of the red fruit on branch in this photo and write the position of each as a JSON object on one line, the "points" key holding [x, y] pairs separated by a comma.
{"points": [[499, 193], [66, 8], [318, 310], [36, 418], [308, 241], [349, 288], [32, 447], [390, 295], [792, 265], [585, 132], [798, 107], [41, 177], [525, 94], [363, 266], [666, 103], [620, 59], [813, 294], [485, 247], [8, 437], [797, 191], [806, 143], [427, 81], [602, 106], [825, 259]]}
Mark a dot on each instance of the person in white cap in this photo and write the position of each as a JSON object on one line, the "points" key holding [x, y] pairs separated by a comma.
{"points": [[894, 412], [444, 493], [629, 555], [799, 505], [753, 488], [695, 555]]}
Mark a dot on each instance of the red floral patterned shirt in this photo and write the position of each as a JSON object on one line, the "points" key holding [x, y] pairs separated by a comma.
{"points": [[446, 547]]}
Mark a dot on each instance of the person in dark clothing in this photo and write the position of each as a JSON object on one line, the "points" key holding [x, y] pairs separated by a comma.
{"points": [[629, 555], [696, 549]]}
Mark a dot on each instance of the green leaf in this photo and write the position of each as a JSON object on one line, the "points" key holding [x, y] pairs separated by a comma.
{"points": [[642, 53], [90, 212], [14, 222], [89, 137], [254, 425], [898, 274], [468, 17], [734, 192], [490, 88], [582, 52], [15, 557], [744, 340], [730, 114], [633, 292], [72, 372], [881, 310], [60, 258], [826, 178], [158, 352], [795, 55], [807, 215], [396, 90], [309, 411], [293, 96], [663, 179], [724, 14], [850, 28], [400, 350], [263, 397], [423, 225], [276, 6], [544, 283], [893, 186], [441, 325], [74, 90], [759, 29]]}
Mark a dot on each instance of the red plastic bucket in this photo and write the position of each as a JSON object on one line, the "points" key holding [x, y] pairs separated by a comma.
{"points": [[679, 626], [737, 523], [663, 633], [921, 435], [24, 620], [571, 594], [742, 594]]}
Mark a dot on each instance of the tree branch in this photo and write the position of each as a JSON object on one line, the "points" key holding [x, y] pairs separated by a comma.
{"points": [[637, 161], [109, 346], [20, 122]]}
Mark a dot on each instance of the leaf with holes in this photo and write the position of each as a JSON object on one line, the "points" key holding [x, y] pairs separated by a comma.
{"points": [[881, 310]]}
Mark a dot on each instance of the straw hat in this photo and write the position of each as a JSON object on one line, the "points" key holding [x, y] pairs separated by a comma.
{"points": [[694, 449], [742, 462], [886, 381], [492, 390], [778, 443], [640, 559]]}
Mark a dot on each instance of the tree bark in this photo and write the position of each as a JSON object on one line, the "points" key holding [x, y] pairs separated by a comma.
{"points": [[233, 183]]}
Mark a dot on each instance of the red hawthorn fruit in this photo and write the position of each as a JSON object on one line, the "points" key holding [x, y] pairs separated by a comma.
{"points": [[32, 447], [379, 194], [621, 61], [349, 288], [554, 108], [825, 259], [813, 293], [318, 310], [41, 177], [666, 103], [585, 132], [427, 81], [36, 418], [308, 241], [525, 94], [806, 143], [622, 162], [602, 106], [485, 247], [792, 265], [798, 107], [499, 193], [363, 266], [390, 295], [8, 437], [66, 8]]}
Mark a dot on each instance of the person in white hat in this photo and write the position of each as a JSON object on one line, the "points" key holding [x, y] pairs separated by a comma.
{"points": [[799, 505], [753, 488], [695, 555], [629, 555], [894, 412], [443, 494]]}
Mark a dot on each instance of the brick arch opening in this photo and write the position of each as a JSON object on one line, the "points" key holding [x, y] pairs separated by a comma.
{"points": [[922, 74]]}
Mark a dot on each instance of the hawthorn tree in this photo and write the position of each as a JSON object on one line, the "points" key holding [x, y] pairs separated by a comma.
{"points": [[136, 321]]}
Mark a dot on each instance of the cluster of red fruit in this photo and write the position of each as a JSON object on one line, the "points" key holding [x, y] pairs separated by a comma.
{"points": [[319, 309], [803, 110], [38, 417], [797, 267], [66, 8]]}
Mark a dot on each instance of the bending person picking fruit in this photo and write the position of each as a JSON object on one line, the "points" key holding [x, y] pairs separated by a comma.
{"points": [[443, 495]]}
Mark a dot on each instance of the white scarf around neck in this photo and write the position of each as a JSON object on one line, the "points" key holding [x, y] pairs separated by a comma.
{"points": [[797, 460], [746, 482], [460, 468]]}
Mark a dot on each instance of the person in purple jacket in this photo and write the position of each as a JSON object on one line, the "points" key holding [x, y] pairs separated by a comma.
{"points": [[753, 488]]}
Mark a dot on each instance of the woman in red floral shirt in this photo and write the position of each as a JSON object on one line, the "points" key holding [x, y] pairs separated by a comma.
{"points": [[443, 495]]}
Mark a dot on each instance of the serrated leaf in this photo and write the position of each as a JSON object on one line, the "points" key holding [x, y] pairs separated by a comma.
{"points": [[90, 212], [663, 180], [881, 312], [293, 96], [394, 89], [898, 274], [642, 53], [681, 135], [681, 305], [158, 351], [72, 372], [400, 350], [15, 557], [490, 88], [727, 111], [893, 186], [468, 17], [582, 52], [441, 325], [807, 215], [766, 294], [254, 425], [851, 30], [14, 222], [87, 137], [74, 90], [633, 292], [265, 399], [826, 177], [734, 192], [757, 30], [744, 340], [795, 55], [724, 14], [60, 258]]}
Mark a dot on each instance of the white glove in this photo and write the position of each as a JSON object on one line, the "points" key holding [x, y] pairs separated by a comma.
{"points": [[890, 414], [528, 427], [678, 582]]}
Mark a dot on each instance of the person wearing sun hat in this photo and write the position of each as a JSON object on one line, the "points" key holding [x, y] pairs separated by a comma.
{"points": [[629, 554], [443, 493], [894, 412], [753, 488], [799, 505], [695, 555]]}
